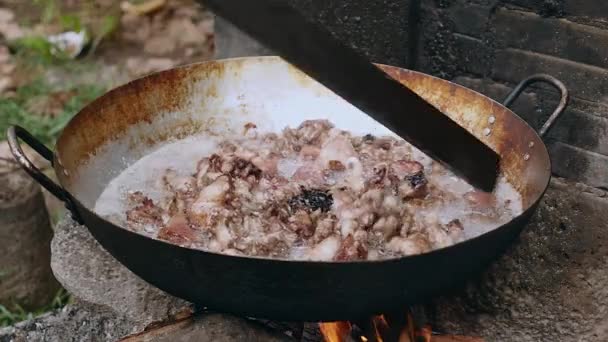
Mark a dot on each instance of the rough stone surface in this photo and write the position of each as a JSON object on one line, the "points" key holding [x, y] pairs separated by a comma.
{"points": [[80, 322], [75, 322], [551, 285], [91, 274], [25, 236], [211, 327], [113, 304]]}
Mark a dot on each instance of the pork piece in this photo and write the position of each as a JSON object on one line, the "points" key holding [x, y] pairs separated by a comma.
{"points": [[315, 193], [302, 224], [414, 244], [212, 195], [312, 131], [441, 236], [325, 250], [337, 147], [245, 169], [178, 231], [413, 182], [144, 212], [481, 200], [351, 249]]}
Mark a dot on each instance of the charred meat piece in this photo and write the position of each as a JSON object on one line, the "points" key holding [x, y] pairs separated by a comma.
{"points": [[311, 200]]}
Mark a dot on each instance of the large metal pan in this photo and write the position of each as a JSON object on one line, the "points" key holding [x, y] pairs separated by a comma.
{"points": [[219, 97]]}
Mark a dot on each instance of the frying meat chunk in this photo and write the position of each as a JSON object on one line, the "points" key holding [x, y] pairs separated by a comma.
{"points": [[145, 212], [316, 193]]}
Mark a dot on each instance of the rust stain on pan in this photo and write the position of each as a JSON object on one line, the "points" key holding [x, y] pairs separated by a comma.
{"points": [[138, 101], [505, 132]]}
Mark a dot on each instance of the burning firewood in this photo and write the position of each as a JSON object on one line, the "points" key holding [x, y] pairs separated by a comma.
{"points": [[379, 329]]}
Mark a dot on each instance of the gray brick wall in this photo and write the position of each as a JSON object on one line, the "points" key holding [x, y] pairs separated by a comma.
{"points": [[491, 45]]}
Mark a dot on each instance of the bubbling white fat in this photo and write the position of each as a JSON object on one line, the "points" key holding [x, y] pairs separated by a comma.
{"points": [[182, 156], [144, 175]]}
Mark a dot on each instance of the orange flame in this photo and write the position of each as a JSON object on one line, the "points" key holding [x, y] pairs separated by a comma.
{"points": [[382, 329], [336, 331]]}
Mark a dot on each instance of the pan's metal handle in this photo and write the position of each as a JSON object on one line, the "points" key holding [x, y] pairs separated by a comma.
{"points": [[548, 79], [15, 133]]}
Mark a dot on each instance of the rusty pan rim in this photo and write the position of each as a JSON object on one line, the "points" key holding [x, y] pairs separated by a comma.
{"points": [[530, 208]]}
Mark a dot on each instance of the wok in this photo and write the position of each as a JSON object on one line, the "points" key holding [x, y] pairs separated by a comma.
{"points": [[218, 98]]}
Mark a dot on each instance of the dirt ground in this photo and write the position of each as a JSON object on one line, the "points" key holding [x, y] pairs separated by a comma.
{"points": [[41, 90]]}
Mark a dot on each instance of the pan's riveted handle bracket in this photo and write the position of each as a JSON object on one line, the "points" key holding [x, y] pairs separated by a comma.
{"points": [[548, 79], [15, 133]]}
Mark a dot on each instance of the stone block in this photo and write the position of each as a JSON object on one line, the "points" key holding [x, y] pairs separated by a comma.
{"points": [[471, 55], [556, 37], [91, 274], [544, 7], [588, 8], [469, 19], [584, 81], [210, 327], [582, 130], [576, 163], [550, 286]]}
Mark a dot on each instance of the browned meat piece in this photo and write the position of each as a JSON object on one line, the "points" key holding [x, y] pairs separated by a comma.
{"points": [[383, 143], [414, 244], [386, 227], [177, 231], [301, 223], [244, 169], [326, 226], [215, 163], [311, 131], [404, 168], [313, 193], [266, 165], [350, 249], [249, 126], [481, 200], [145, 211], [336, 165], [379, 173]]}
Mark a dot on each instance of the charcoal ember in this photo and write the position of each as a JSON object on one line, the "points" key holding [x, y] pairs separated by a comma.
{"points": [[312, 199]]}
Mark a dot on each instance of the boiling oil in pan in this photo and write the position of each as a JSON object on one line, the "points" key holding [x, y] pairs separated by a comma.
{"points": [[183, 155]]}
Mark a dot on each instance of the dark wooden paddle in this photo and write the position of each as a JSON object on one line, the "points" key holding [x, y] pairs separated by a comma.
{"points": [[315, 51]]}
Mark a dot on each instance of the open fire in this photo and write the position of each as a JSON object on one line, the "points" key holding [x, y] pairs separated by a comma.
{"points": [[386, 328]]}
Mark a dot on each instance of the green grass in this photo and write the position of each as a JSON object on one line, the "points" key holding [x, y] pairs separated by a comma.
{"points": [[18, 314], [42, 125]]}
